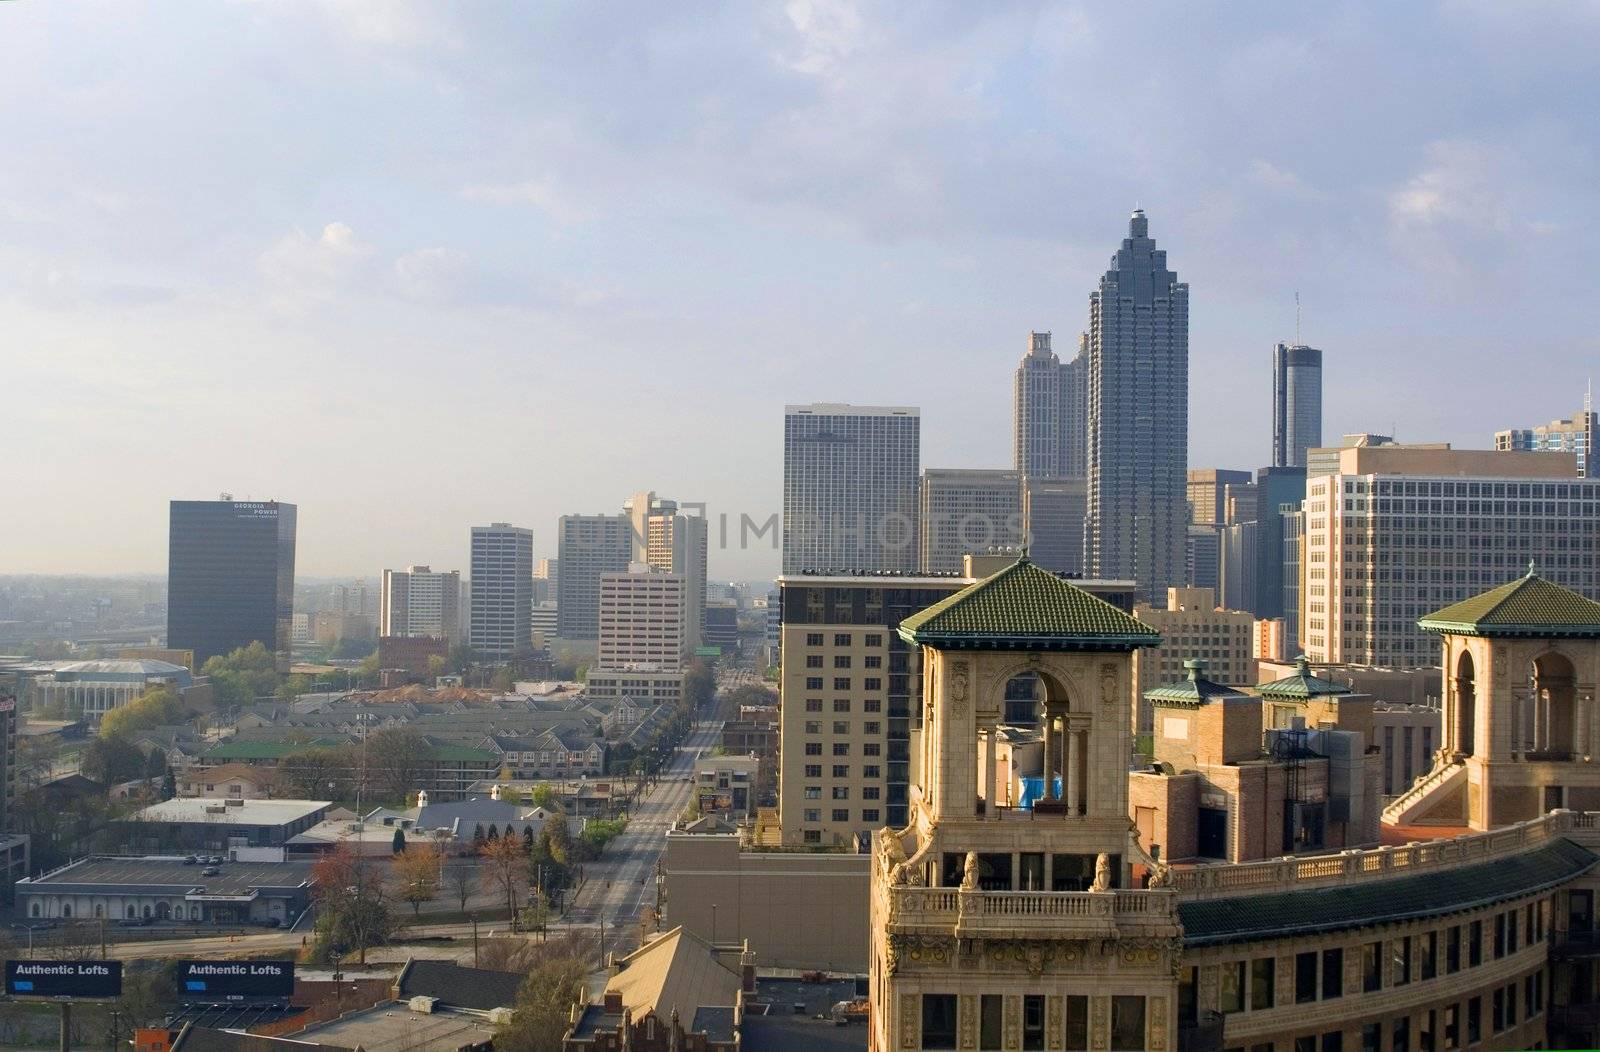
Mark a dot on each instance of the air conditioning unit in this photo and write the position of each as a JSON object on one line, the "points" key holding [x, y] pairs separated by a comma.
{"points": [[422, 1004]]}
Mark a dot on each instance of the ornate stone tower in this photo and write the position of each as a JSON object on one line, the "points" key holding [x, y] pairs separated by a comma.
{"points": [[1001, 927], [1520, 664]]}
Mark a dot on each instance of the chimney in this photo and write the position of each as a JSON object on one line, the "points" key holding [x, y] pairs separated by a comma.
{"points": [[747, 969], [613, 1002]]}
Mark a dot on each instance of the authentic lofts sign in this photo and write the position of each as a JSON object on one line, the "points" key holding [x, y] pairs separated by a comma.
{"points": [[235, 980], [85, 980]]}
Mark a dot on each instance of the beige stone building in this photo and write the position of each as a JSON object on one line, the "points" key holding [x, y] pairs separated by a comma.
{"points": [[1192, 626], [643, 620]]}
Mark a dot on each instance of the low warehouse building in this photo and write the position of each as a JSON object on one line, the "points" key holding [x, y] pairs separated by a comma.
{"points": [[168, 888]]}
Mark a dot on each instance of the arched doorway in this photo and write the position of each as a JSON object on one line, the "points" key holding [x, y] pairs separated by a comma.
{"points": [[163, 911], [1465, 707], [1553, 728]]}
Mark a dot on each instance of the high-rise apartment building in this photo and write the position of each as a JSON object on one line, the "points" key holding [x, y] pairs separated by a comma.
{"points": [[1206, 490], [850, 488], [1576, 436], [672, 542], [230, 577], [1296, 403], [500, 622], [642, 621], [1138, 417], [590, 547], [417, 601], [850, 693], [1053, 511], [967, 511], [1398, 531], [1050, 411]]}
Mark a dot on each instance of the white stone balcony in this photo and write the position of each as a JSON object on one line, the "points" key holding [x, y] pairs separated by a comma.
{"points": [[1027, 914]]}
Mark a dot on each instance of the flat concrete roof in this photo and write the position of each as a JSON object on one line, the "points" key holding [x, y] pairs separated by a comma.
{"points": [[168, 872], [198, 810], [394, 1025]]}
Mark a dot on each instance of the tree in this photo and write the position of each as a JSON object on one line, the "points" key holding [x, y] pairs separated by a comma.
{"points": [[155, 707], [399, 845], [541, 1014], [528, 839], [293, 687], [111, 760], [544, 795], [242, 676], [699, 685], [398, 762], [505, 678], [535, 915], [461, 878], [350, 647], [367, 671], [478, 839], [353, 905], [417, 871], [436, 665], [557, 839], [318, 773], [460, 659], [503, 870]]}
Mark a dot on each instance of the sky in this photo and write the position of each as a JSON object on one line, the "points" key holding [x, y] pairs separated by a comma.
{"points": [[415, 267]]}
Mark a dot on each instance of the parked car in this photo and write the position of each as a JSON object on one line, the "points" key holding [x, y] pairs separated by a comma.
{"points": [[190, 860], [210, 871]]}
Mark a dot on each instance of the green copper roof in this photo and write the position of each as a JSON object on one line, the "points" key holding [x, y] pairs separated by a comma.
{"points": [[1191, 692], [269, 750], [1024, 607], [1528, 606], [1365, 902], [1302, 684]]}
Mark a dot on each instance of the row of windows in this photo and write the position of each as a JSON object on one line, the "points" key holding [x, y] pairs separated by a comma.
{"points": [[844, 639], [1127, 1023], [843, 661], [843, 705], [869, 815], [843, 683], [842, 770], [842, 792], [843, 727]]}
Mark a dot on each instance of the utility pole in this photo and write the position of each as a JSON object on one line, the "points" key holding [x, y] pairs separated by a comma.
{"points": [[102, 938], [66, 1026], [474, 940]]}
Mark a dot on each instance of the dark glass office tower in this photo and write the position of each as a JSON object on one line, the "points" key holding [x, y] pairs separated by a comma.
{"points": [[230, 577]]}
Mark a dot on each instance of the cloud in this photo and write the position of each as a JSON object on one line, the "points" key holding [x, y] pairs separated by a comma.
{"points": [[830, 32], [431, 273], [305, 269], [540, 193], [1269, 176]]}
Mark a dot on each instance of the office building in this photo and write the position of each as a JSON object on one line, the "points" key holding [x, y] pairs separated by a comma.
{"points": [[500, 618], [1138, 417], [671, 542], [417, 601], [230, 577], [1202, 557], [641, 621], [1399, 530], [1239, 500], [849, 689], [1296, 403], [1207, 494], [1192, 626], [1238, 563], [1050, 411], [966, 511], [1575, 436], [1053, 512], [1279, 491], [1325, 460], [1293, 542], [591, 546], [850, 488], [546, 574]]}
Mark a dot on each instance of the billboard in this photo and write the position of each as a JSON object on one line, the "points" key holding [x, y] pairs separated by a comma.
{"points": [[235, 980], [64, 979]]}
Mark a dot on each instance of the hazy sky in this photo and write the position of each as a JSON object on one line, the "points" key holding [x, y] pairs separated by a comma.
{"points": [[415, 267]]}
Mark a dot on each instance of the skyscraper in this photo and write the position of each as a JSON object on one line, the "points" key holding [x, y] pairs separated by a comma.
{"points": [[1576, 435], [230, 577], [669, 541], [849, 488], [418, 602], [500, 624], [1049, 410], [1052, 522], [967, 511], [590, 546], [1207, 494], [1138, 418], [1296, 403], [642, 620]]}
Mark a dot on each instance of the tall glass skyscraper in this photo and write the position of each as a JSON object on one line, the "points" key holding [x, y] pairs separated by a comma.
{"points": [[1049, 412], [1138, 419], [230, 577], [849, 488], [1296, 403], [500, 618]]}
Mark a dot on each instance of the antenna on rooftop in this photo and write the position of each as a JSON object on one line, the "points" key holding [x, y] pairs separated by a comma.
{"points": [[1297, 317]]}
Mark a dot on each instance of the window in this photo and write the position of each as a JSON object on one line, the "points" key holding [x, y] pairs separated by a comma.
{"points": [[841, 639], [841, 726], [813, 639], [1400, 959], [1452, 950], [841, 748], [812, 836], [1332, 973], [872, 705], [1430, 954], [813, 814], [870, 792], [1077, 1023], [813, 726], [872, 661], [841, 770], [1400, 1040], [1499, 935], [1305, 977], [1475, 944], [873, 639], [841, 661], [1033, 1022], [1474, 1020], [813, 770], [813, 748], [872, 727], [871, 749], [872, 683], [1263, 975], [813, 704], [1452, 1027], [1333, 1041], [1372, 967], [1372, 1037], [841, 814], [813, 661], [841, 704], [813, 792], [841, 792], [870, 771], [840, 683], [938, 1020], [869, 814], [1497, 1020], [1231, 987], [1127, 1024], [813, 682], [989, 1015]]}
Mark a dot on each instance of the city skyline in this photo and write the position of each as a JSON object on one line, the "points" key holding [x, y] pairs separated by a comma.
{"points": [[528, 249]]}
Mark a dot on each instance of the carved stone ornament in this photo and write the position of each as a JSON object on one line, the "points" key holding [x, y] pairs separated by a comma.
{"points": [[910, 1021], [968, 1014], [1108, 683], [960, 687]]}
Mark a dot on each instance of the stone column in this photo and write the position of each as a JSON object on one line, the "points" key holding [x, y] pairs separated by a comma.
{"points": [[1085, 781], [1069, 766], [989, 801], [1049, 754]]}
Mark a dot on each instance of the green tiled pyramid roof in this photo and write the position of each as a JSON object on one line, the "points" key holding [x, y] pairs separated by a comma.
{"points": [[1528, 606], [1302, 684], [1193, 691], [1024, 607]]}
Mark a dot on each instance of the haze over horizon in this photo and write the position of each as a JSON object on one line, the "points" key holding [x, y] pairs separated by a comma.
{"points": [[415, 268]]}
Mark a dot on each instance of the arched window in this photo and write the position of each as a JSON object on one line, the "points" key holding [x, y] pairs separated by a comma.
{"points": [[66, 909], [35, 910], [1466, 705], [132, 913], [146, 911], [99, 909]]}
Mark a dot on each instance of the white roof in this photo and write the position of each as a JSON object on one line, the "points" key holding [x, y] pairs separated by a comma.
{"points": [[199, 809]]}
